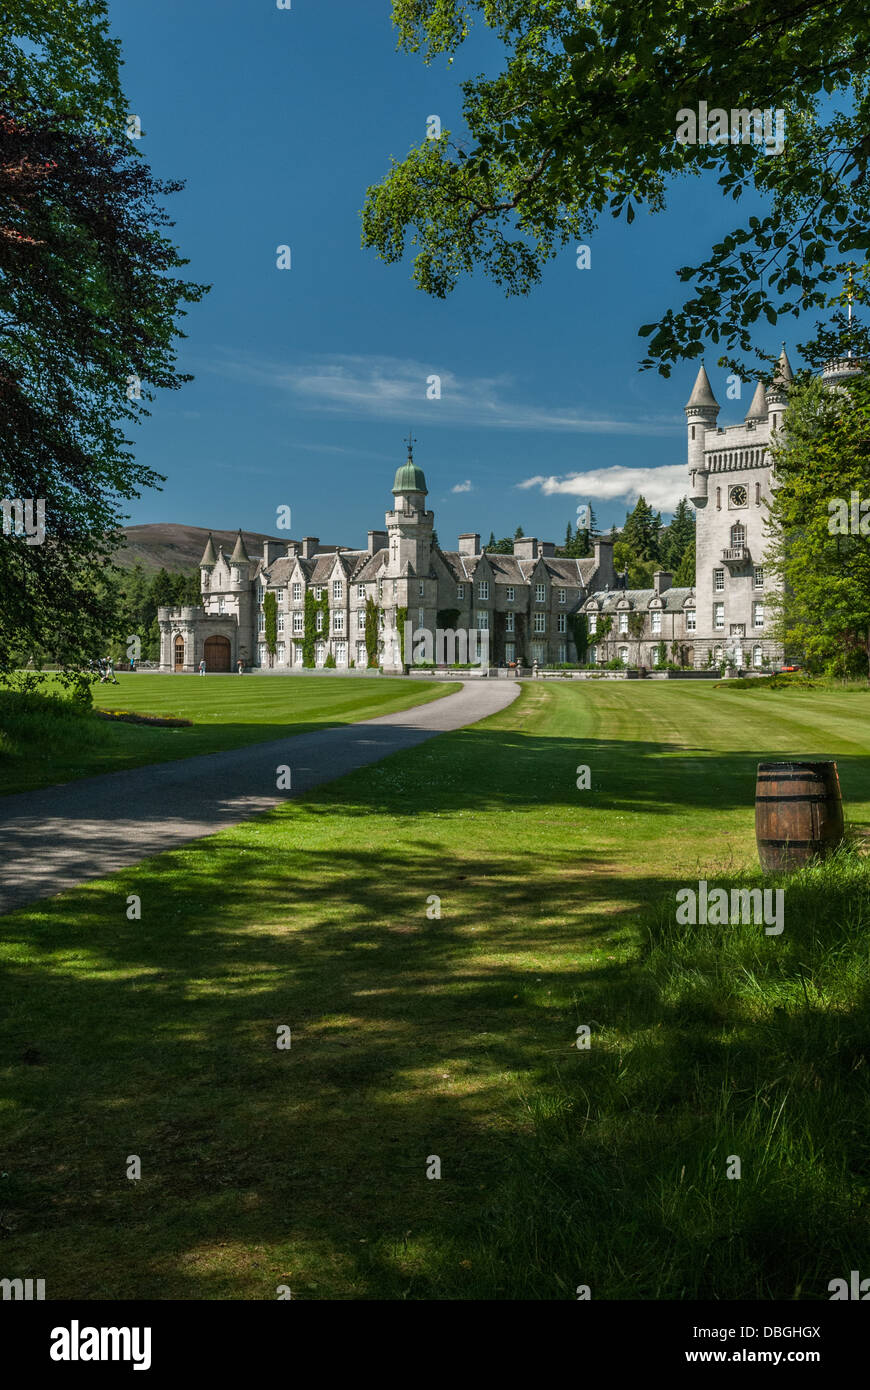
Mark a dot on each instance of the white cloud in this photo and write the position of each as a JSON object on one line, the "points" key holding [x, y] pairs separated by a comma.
{"points": [[662, 487], [392, 388], [462, 487]]}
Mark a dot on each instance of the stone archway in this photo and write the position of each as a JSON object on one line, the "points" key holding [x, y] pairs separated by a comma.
{"points": [[178, 649], [217, 654]]}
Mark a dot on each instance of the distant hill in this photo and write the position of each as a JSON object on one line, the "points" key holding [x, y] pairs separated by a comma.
{"points": [[179, 549]]}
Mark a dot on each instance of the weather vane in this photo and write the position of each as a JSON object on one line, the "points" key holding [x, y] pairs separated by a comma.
{"points": [[411, 441]]}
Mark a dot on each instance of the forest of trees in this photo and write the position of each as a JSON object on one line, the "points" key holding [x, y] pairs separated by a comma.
{"points": [[643, 546], [140, 594]]}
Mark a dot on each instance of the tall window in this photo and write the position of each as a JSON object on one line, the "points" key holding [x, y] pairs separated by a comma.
{"points": [[460, 591], [509, 622], [623, 622], [337, 590], [297, 592], [483, 589], [757, 656], [718, 616], [281, 595], [261, 593], [563, 595], [561, 622], [360, 620], [758, 577], [656, 623], [280, 622], [422, 589], [690, 620], [360, 590], [540, 621], [338, 622], [509, 593], [319, 620], [540, 593], [758, 615], [718, 581], [593, 623], [738, 534], [298, 623], [483, 622]]}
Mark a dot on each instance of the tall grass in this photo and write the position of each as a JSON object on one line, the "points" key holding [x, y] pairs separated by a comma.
{"points": [[722, 1043], [33, 724]]}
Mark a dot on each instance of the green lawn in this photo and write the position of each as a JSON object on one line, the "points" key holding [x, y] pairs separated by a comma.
{"points": [[414, 1036], [227, 712]]}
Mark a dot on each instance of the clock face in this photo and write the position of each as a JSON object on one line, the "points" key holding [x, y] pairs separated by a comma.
{"points": [[738, 497]]}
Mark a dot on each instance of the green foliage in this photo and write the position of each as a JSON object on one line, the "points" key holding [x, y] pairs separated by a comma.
{"points": [[309, 635], [447, 618], [684, 578], [821, 458], [503, 547], [329, 663], [372, 632], [641, 531], [679, 538], [89, 296], [580, 122], [270, 610], [401, 619], [579, 626]]}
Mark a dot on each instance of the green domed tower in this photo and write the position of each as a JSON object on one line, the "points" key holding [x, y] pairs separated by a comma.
{"points": [[410, 582]]}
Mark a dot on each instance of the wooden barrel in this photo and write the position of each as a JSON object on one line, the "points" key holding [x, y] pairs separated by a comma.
{"points": [[798, 813]]}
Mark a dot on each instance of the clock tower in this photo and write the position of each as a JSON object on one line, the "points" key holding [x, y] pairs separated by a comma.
{"points": [[730, 484]]}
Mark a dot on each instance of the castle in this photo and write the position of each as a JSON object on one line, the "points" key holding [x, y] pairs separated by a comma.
{"points": [[349, 607]]}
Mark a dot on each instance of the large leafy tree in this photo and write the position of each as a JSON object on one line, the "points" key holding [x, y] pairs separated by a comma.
{"points": [[89, 302], [820, 534], [581, 121]]}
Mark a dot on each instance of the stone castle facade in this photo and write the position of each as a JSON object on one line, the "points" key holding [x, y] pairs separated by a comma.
{"points": [[530, 603]]}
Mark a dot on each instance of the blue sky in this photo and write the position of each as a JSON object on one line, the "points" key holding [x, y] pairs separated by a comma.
{"points": [[308, 380]]}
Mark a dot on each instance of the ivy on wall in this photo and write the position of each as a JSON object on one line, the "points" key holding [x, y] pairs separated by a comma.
{"points": [[401, 619], [372, 629], [447, 618], [310, 631], [270, 609], [580, 633]]}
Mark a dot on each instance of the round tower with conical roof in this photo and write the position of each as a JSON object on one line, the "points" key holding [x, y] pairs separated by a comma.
{"points": [[702, 412], [777, 392]]}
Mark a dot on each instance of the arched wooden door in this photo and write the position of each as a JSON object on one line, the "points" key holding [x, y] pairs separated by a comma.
{"points": [[179, 653], [217, 654]]}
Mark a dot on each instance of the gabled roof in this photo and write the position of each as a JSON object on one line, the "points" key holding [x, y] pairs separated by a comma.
{"points": [[371, 567]]}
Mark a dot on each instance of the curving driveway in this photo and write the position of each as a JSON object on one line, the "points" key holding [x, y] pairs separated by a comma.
{"points": [[57, 837]]}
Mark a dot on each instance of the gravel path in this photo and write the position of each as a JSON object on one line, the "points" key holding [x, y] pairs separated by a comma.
{"points": [[55, 838]]}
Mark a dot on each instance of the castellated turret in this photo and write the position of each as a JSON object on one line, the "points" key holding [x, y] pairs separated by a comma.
{"points": [[702, 412]]}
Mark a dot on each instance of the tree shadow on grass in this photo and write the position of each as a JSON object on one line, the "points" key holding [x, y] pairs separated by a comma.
{"points": [[411, 1038]]}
